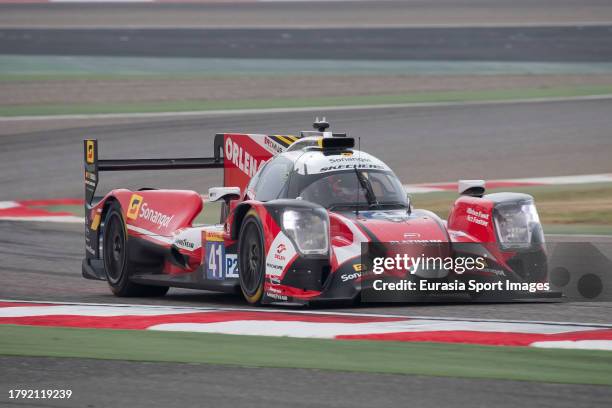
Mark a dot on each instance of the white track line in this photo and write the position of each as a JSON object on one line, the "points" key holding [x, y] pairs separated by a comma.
{"points": [[332, 329], [543, 181], [223, 112], [80, 310], [575, 344], [5, 205]]}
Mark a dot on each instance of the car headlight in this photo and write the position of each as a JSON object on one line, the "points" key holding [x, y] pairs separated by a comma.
{"points": [[518, 224], [308, 229]]}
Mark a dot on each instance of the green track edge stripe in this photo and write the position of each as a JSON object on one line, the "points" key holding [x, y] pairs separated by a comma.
{"points": [[429, 359]]}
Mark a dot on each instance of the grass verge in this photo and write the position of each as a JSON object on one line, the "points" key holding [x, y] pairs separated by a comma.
{"points": [[44, 67], [186, 106], [432, 359]]}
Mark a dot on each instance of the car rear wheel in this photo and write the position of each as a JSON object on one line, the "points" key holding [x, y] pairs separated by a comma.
{"points": [[116, 261], [251, 258]]}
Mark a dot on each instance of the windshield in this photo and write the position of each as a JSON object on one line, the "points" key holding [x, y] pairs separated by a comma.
{"points": [[354, 188]]}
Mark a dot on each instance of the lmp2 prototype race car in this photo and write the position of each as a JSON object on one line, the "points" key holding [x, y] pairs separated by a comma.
{"points": [[296, 212]]}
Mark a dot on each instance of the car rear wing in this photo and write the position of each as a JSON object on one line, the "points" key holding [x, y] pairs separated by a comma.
{"points": [[94, 165], [240, 155]]}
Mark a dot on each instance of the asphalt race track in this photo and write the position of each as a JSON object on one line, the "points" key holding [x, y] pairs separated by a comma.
{"points": [[576, 44], [185, 385], [42, 261]]}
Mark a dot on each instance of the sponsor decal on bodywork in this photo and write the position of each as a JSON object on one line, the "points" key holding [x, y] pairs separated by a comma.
{"points": [[218, 264], [314, 163], [154, 216], [280, 254], [95, 222], [350, 276], [91, 154], [358, 166], [184, 243], [134, 207], [90, 179], [189, 239], [241, 158], [283, 140], [276, 294], [477, 217]]}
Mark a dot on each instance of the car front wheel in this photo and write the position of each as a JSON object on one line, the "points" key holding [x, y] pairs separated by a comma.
{"points": [[251, 257]]}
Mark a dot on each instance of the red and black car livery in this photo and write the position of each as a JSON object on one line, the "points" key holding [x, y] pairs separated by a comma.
{"points": [[295, 213]]}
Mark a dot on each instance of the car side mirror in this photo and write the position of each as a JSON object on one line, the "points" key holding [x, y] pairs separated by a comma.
{"points": [[472, 188], [223, 193]]}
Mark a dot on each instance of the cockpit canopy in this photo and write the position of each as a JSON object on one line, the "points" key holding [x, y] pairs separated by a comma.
{"points": [[344, 179]]}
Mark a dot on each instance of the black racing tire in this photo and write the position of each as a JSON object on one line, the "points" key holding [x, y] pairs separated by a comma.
{"points": [[117, 265], [251, 259]]}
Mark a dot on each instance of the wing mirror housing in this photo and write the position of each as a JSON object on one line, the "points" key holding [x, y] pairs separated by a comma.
{"points": [[472, 188], [223, 193]]}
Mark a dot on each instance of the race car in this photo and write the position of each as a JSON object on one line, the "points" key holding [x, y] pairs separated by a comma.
{"points": [[298, 216]]}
